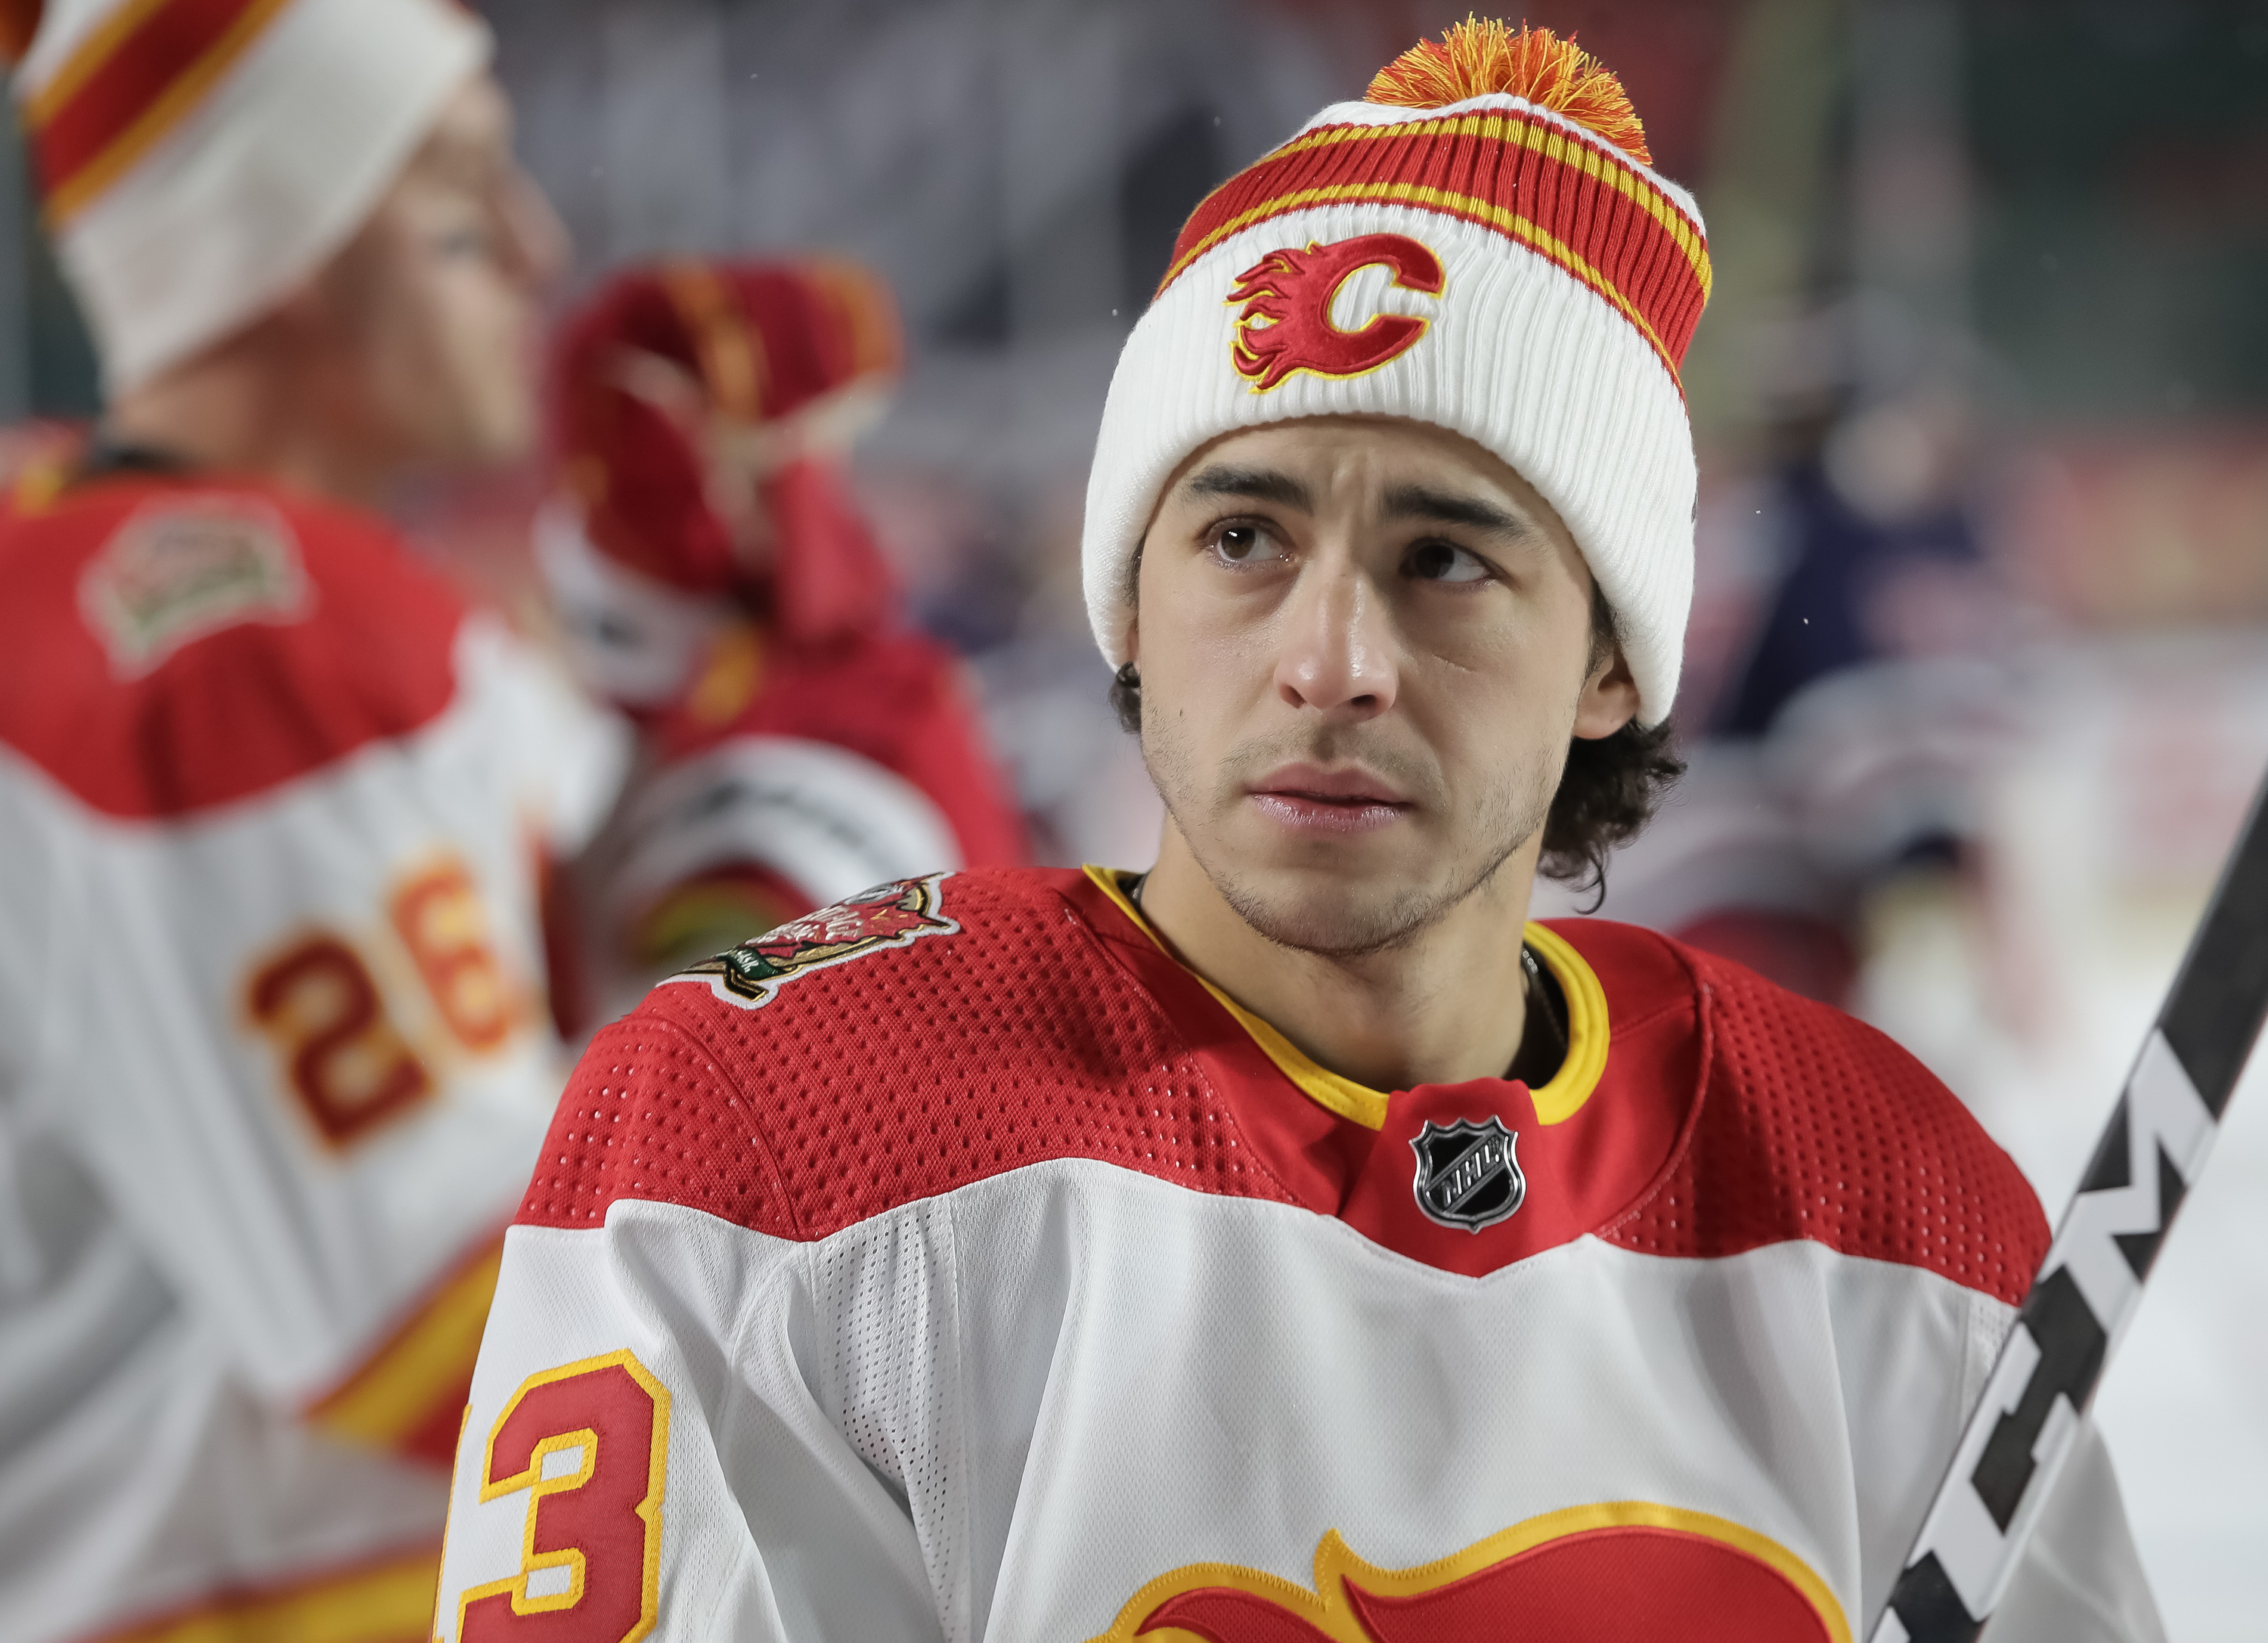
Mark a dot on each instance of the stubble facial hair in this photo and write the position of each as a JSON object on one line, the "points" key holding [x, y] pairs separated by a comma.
{"points": [[1355, 918]]}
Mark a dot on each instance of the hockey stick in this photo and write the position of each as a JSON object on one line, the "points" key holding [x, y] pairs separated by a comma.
{"points": [[2017, 1438]]}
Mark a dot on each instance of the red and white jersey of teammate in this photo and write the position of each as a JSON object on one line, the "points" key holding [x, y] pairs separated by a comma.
{"points": [[795, 770], [713, 574], [274, 1053], [953, 1265]]}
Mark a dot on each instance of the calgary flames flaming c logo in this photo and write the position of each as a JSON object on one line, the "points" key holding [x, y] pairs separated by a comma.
{"points": [[1623, 1571], [1288, 295]]}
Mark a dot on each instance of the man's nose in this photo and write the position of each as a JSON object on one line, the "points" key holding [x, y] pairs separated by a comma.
{"points": [[1337, 654], [537, 250]]}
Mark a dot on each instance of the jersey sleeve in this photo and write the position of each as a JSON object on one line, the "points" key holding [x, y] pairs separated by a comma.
{"points": [[568, 756], [1856, 1123], [656, 1436], [742, 836], [289, 1021]]}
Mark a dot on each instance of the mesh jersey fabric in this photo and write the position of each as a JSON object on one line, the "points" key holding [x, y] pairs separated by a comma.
{"points": [[1029, 1036], [989, 1279]]}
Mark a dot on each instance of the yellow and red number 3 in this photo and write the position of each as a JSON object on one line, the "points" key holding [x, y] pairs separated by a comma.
{"points": [[591, 1554]]}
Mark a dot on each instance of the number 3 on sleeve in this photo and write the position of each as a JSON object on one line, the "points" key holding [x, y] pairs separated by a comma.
{"points": [[590, 1444]]}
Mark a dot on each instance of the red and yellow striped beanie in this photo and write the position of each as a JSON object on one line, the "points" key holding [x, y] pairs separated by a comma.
{"points": [[198, 158], [1481, 243]]}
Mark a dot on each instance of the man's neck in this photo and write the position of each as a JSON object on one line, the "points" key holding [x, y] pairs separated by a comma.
{"points": [[249, 406], [1447, 1005]]}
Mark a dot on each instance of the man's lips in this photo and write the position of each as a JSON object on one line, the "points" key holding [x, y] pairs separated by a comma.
{"points": [[1311, 799]]}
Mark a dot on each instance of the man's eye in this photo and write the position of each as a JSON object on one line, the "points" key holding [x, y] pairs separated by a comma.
{"points": [[1245, 544], [463, 242], [1446, 562]]}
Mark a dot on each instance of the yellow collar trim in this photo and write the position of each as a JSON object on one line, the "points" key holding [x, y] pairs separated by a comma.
{"points": [[1559, 1101]]}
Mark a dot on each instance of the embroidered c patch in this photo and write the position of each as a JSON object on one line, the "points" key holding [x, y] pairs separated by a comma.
{"points": [[1287, 296]]}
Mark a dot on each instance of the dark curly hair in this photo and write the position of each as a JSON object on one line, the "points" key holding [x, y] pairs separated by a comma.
{"points": [[1607, 793]]}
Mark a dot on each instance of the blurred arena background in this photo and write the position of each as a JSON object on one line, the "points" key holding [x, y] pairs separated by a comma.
{"points": [[1977, 679]]}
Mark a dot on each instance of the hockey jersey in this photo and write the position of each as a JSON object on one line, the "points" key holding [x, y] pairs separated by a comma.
{"points": [[857, 759], [953, 1264], [274, 1059], [785, 763]]}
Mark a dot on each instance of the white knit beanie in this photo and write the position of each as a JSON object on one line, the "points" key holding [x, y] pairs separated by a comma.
{"points": [[198, 158], [1485, 261]]}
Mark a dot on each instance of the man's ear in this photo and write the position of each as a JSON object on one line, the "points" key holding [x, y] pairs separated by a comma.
{"points": [[1609, 699]]}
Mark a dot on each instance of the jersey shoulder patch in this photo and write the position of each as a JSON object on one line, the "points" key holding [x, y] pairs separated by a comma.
{"points": [[940, 1031], [180, 567], [893, 915], [1814, 1125], [175, 646]]}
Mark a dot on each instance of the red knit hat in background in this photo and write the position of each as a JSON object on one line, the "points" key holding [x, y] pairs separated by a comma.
{"points": [[701, 410]]}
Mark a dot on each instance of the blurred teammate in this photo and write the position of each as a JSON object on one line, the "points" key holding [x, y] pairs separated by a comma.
{"points": [[274, 1055], [715, 580], [1281, 1246]]}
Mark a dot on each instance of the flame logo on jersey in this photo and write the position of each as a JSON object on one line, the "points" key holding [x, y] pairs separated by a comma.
{"points": [[1622, 1572], [1287, 296], [893, 915]]}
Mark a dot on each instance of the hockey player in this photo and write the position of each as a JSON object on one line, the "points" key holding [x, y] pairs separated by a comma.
{"points": [[274, 1057], [715, 578], [1282, 1246]]}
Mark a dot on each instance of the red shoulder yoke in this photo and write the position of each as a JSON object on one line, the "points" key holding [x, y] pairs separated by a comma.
{"points": [[863, 1085], [1019, 1037], [1816, 1126], [175, 646]]}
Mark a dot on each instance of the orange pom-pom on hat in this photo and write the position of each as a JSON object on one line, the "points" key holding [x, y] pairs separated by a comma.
{"points": [[1484, 54], [1480, 244]]}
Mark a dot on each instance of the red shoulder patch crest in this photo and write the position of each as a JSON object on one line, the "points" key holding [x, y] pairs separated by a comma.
{"points": [[893, 915]]}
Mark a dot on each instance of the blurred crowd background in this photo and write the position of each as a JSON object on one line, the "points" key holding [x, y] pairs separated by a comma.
{"points": [[1976, 688]]}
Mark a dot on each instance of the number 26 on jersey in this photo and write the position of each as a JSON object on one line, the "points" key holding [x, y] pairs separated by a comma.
{"points": [[345, 1060]]}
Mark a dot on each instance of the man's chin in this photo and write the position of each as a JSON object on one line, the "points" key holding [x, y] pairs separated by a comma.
{"points": [[1331, 915]]}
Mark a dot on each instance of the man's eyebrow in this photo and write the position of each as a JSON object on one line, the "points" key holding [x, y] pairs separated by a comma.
{"points": [[1253, 484], [1444, 507]]}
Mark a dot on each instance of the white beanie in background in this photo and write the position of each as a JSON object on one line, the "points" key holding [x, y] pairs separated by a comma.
{"points": [[1480, 245], [198, 158]]}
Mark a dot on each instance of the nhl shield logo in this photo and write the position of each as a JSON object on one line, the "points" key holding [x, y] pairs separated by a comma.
{"points": [[1468, 1173]]}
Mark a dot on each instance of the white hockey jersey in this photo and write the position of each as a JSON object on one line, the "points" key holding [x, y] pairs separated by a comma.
{"points": [[952, 1263], [274, 1055]]}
